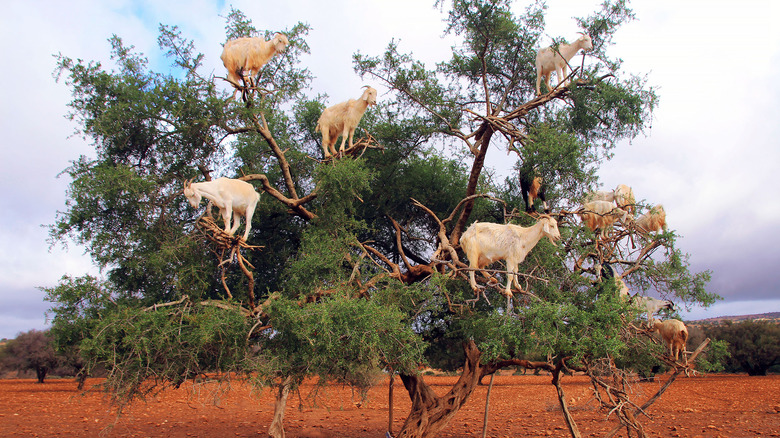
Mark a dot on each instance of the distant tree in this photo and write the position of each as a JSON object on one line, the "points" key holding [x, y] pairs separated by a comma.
{"points": [[754, 346], [31, 350]]}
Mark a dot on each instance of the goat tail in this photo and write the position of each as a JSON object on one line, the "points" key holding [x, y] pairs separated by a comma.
{"points": [[317, 128]]}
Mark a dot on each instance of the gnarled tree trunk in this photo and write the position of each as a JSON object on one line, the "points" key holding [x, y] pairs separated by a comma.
{"points": [[431, 413]]}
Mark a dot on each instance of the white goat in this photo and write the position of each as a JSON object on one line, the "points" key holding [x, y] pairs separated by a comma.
{"points": [[653, 220], [622, 196], [342, 119], [548, 60], [250, 54], [485, 243], [600, 214], [675, 334], [651, 306], [230, 196]]}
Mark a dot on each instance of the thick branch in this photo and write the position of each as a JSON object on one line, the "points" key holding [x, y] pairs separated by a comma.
{"points": [[483, 140], [283, 164], [295, 205]]}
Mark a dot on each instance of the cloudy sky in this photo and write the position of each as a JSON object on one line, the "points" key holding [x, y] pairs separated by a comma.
{"points": [[710, 157]]}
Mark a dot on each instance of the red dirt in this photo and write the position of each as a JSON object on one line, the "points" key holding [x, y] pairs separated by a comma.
{"points": [[704, 406]]}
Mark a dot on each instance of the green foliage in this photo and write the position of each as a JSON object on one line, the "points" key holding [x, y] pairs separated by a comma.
{"points": [[753, 346], [715, 358], [80, 302], [341, 186], [151, 349], [338, 338]]}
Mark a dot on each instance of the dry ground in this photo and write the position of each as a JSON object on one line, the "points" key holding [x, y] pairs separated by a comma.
{"points": [[520, 406]]}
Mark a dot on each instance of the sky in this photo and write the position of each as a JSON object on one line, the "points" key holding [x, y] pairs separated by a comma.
{"points": [[710, 156]]}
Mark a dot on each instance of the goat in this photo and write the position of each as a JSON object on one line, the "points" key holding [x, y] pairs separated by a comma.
{"points": [[675, 334], [653, 220], [485, 243], [651, 306], [548, 60], [230, 196], [608, 272], [531, 188], [342, 119], [600, 214], [623, 196], [250, 54]]}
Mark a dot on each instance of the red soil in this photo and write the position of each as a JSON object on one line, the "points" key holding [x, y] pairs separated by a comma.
{"points": [[704, 406]]}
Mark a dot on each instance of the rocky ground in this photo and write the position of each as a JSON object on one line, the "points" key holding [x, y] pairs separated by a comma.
{"points": [[703, 406]]}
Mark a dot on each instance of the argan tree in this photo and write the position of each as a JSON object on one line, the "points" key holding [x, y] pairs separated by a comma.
{"points": [[353, 265]]}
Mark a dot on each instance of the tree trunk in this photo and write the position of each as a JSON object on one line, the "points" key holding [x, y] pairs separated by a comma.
{"points": [[431, 413], [81, 378], [570, 423], [276, 429]]}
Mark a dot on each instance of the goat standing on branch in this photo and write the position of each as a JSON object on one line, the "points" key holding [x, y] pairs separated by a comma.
{"points": [[651, 306], [599, 215], [622, 196], [342, 119], [653, 220], [231, 196], [485, 243], [549, 60], [532, 187], [249, 55], [675, 334]]}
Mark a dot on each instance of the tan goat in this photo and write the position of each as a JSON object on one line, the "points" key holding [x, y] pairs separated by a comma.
{"points": [[249, 55], [342, 119], [653, 220], [600, 214], [675, 334]]}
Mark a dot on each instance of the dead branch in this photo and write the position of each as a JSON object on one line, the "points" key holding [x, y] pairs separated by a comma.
{"points": [[168, 304], [657, 395], [233, 246], [226, 306], [444, 241]]}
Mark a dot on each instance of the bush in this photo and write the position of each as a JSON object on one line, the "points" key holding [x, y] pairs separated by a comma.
{"points": [[754, 346]]}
